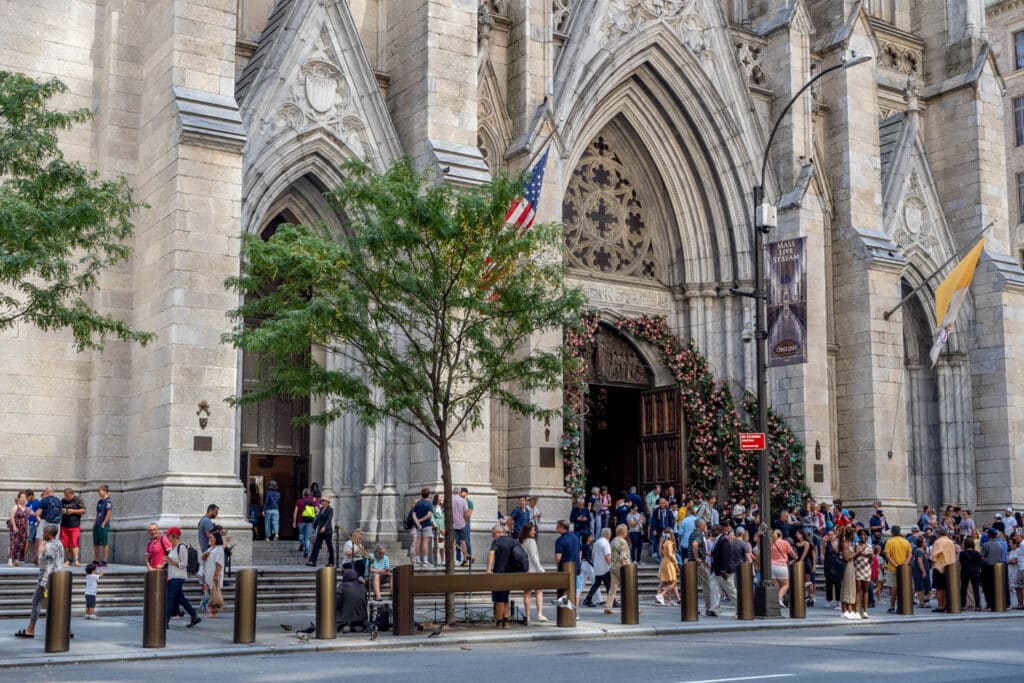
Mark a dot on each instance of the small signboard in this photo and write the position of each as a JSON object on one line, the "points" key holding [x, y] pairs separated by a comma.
{"points": [[752, 442]]}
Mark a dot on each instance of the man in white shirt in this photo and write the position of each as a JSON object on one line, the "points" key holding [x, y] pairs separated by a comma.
{"points": [[177, 572], [1009, 522], [602, 567]]}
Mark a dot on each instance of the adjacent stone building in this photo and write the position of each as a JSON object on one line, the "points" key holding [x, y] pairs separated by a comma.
{"points": [[232, 116]]}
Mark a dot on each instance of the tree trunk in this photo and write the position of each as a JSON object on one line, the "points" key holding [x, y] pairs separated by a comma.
{"points": [[449, 532]]}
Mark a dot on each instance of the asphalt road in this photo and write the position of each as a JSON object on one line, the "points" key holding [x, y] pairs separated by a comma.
{"points": [[969, 651]]}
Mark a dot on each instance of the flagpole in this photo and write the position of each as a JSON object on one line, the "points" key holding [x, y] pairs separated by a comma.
{"points": [[959, 253]]}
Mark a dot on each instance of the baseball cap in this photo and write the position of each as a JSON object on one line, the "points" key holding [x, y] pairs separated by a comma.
{"points": [[1009, 510], [915, 528], [998, 516], [174, 531]]}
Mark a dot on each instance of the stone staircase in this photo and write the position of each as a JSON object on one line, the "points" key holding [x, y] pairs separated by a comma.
{"points": [[280, 588]]}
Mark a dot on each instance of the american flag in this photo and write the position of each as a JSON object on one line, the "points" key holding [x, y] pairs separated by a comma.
{"points": [[524, 209]]}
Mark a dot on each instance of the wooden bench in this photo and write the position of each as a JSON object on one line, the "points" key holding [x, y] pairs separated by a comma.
{"points": [[406, 584]]}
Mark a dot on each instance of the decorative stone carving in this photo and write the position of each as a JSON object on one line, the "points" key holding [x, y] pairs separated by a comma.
{"points": [[323, 85], [751, 57], [641, 299], [916, 228], [561, 13], [899, 58], [605, 221], [613, 360], [320, 96], [682, 16]]}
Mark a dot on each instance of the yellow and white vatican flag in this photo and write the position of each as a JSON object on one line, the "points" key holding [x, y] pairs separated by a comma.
{"points": [[950, 295]]}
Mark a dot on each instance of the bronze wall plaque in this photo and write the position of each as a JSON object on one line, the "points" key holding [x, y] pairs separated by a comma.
{"points": [[202, 443], [547, 456]]}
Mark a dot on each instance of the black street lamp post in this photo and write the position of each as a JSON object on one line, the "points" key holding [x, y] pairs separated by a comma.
{"points": [[766, 597]]}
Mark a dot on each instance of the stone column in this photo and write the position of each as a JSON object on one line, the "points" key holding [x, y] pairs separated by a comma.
{"points": [[432, 94], [800, 392]]}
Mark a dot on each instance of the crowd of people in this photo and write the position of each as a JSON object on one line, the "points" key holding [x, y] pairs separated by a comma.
{"points": [[859, 559], [29, 516]]}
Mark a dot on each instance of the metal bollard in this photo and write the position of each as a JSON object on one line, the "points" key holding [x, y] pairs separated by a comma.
{"points": [[402, 600], [154, 609], [998, 587], [745, 592], [58, 612], [904, 590], [797, 606], [953, 605], [566, 616], [630, 595], [245, 605], [688, 605], [326, 603]]}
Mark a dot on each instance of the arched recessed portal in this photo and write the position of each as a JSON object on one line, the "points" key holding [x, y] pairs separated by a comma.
{"points": [[921, 400], [635, 432], [272, 448]]}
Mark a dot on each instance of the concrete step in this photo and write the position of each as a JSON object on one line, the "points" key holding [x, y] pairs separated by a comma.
{"points": [[279, 588]]}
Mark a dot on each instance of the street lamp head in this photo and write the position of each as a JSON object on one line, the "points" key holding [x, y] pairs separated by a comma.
{"points": [[854, 59]]}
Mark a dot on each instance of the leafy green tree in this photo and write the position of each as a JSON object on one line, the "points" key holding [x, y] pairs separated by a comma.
{"points": [[60, 224], [431, 297]]}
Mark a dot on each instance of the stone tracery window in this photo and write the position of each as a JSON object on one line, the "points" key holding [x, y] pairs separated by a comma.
{"points": [[606, 225]]}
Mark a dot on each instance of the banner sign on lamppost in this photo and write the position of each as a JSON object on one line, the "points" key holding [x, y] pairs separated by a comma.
{"points": [[787, 302]]}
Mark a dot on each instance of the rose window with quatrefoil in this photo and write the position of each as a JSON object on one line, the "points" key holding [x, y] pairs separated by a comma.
{"points": [[603, 214]]}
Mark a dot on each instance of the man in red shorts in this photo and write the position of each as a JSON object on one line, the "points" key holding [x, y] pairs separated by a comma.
{"points": [[72, 509]]}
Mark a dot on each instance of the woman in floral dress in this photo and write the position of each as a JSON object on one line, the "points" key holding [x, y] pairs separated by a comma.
{"points": [[17, 524]]}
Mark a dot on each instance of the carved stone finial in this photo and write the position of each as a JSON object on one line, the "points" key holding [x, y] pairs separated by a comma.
{"points": [[912, 93], [485, 23]]}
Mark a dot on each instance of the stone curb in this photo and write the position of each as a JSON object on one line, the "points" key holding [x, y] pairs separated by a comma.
{"points": [[549, 633]]}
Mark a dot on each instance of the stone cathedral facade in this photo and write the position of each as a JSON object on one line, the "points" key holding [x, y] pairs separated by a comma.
{"points": [[232, 116]]}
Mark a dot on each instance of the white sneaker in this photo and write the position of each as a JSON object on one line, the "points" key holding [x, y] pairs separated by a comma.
{"points": [[848, 615], [658, 599]]}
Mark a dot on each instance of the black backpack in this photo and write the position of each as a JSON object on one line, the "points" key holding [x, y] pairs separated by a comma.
{"points": [[382, 618], [518, 560], [409, 521], [192, 564]]}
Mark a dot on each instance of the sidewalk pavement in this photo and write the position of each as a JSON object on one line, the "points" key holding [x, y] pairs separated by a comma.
{"points": [[120, 638]]}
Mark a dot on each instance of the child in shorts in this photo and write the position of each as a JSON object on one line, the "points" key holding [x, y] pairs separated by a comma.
{"points": [[92, 583]]}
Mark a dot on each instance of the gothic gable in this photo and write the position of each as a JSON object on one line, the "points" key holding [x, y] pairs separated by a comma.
{"points": [[309, 101], [494, 124]]}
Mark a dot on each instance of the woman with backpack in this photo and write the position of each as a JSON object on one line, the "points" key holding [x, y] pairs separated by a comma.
{"points": [[528, 539], [834, 567]]}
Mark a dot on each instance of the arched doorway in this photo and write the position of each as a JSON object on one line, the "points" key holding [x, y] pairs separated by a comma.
{"points": [[272, 448], [635, 432], [924, 444]]}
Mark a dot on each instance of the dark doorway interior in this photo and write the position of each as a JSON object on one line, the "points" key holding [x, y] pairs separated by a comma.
{"points": [[612, 438]]}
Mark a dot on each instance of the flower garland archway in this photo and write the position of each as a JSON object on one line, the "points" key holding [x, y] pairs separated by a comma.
{"points": [[715, 462]]}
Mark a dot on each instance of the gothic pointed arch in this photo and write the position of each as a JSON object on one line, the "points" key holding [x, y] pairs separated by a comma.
{"points": [[656, 78], [309, 100]]}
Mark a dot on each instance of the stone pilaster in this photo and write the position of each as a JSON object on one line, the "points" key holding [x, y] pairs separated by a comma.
{"points": [[432, 93], [866, 271], [186, 245]]}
